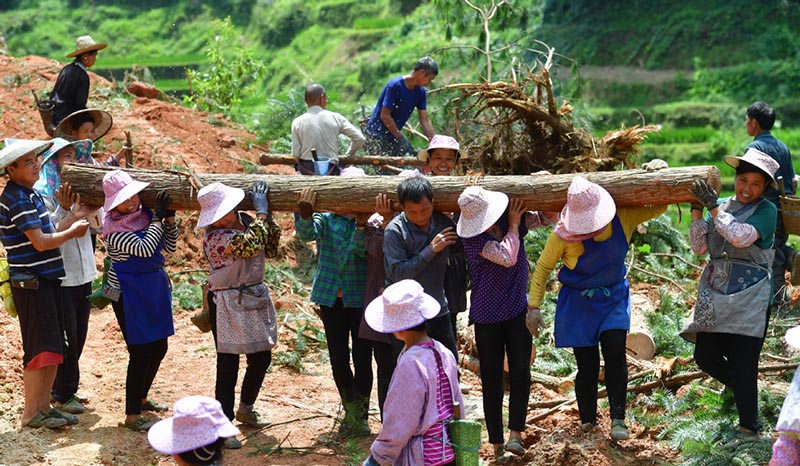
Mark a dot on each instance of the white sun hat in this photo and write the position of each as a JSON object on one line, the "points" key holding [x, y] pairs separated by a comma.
{"points": [[216, 200], [85, 44], [758, 159], [589, 207], [440, 141], [197, 421], [403, 305], [16, 148], [793, 337], [480, 209]]}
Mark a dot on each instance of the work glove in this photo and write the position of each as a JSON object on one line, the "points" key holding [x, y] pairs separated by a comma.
{"points": [[534, 321], [259, 195], [163, 200], [705, 194], [655, 164]]}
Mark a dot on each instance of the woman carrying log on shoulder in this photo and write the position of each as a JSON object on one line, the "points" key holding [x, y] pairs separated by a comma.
{"points": [[591, 239], [730, 316], [72, 86], [491, 230], [138, 285], [242, 315]]}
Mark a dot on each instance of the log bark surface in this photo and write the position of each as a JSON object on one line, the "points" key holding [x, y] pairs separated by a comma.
{"points": [[629, 188], [377, 160]]}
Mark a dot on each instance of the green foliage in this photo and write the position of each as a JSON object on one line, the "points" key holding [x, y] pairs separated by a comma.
{"points": [[666, 323], [276, 22], [767, 80], [307, 338], [275, 123], [186, 291], [233, 70]]}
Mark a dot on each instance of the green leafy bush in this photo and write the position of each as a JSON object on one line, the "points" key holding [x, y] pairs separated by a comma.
{"points": [[233, 70]]}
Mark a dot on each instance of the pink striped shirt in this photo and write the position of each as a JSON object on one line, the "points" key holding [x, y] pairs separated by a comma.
{"points": [[435, 445]]}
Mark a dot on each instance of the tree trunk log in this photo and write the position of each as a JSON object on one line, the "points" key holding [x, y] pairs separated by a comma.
{"points": [[629, 188], [377, 160]]}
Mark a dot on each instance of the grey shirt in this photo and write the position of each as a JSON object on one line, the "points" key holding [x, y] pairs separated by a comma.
{"points": [[407, 254]]}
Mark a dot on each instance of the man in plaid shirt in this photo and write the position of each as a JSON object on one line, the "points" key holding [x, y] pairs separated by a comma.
{"points": [[339, 285]]}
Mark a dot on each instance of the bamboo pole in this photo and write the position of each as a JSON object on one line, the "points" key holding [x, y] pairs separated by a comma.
{"points": [[629, 188], [377, 160]]}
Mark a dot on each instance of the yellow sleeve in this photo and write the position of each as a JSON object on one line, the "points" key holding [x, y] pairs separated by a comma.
{"points": [[630, 217], [552, 252]]}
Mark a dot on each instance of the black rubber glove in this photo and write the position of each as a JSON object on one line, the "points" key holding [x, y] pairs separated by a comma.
{"points": [[705, 194], [163, 200], [259, 195]]}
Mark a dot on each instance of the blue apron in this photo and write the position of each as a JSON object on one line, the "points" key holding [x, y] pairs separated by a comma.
{"points": [[594, 297], [146, 297]]}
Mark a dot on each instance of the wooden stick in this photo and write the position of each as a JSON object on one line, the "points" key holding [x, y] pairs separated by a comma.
{"points": [[629, 188]]}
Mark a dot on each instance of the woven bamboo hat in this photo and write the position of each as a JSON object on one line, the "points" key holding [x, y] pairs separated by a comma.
{"points": [[101, 118], [16, 148], [85, 44]]}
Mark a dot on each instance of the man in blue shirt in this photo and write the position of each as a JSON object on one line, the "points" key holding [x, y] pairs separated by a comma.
{"points": [[397, 101], [31, 240], [759, 122]]}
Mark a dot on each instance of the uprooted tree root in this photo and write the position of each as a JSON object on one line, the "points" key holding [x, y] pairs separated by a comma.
{"points": [[517, 129]]}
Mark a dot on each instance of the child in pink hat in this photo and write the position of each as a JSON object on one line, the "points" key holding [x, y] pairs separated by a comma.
{"points": [[138, 284], [786, 450], [593, 310], [424, 386], [442, 155]]}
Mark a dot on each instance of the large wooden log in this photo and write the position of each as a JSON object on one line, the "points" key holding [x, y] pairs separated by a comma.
{"points": [[377, 160], [629, 188]]}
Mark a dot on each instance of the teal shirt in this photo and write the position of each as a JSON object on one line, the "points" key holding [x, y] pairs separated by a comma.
{"points": [[342, 262], [763, 219]]}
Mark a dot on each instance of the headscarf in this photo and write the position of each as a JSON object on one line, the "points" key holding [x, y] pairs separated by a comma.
{"points": [[50, 172]]}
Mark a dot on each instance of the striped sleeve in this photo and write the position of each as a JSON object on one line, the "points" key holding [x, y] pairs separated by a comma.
{"points": [[124, 244]]}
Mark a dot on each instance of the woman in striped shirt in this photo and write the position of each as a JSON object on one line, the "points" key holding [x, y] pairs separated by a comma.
{"points": [[138, 285]]}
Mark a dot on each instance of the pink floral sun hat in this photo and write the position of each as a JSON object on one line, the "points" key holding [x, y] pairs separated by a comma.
{"points": [[480, 209], [758, 159], [440, 141], [216, 200], [589, 207], [118, 187], [197, 421], [403, 305]]}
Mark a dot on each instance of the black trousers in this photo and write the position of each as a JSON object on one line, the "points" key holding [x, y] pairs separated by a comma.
{"points": [[733, 360], [228, 371], [616, 375], [354, 384], [494, 341], [75, 309], [385, 355], [143, 363]]}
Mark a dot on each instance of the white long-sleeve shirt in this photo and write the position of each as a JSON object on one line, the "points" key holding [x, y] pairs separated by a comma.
{"points": [[320, 129]]}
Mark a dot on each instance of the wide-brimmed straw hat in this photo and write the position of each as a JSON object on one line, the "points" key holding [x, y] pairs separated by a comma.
{"points": [[16, 148], [197, 421], [793, 337], [85, 44], [102, 123], [402, 306], [758, 159], [480, 209], [118, 187], [589, 207], [216, 200], [441, 141]]}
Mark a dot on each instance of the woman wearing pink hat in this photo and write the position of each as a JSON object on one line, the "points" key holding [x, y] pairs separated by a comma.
{"points": [[242, 314], [729, 321], [491, 231], [591, 239], [424, 386], [138, 284]]}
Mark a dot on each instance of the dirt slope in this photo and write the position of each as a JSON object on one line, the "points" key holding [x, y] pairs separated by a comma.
{"points": [[302, 406]]}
